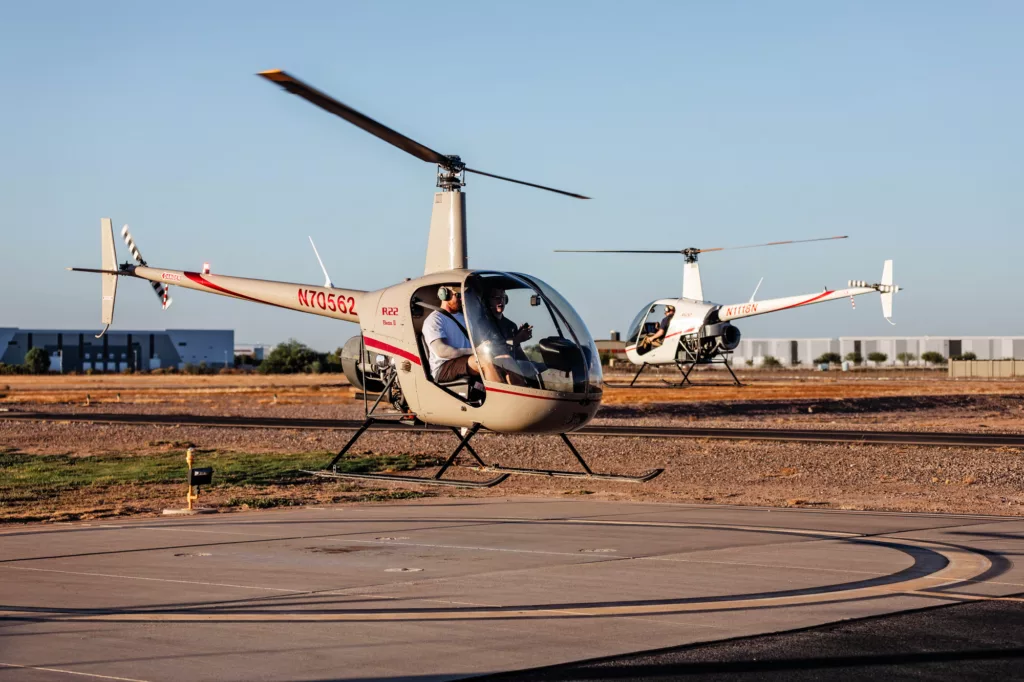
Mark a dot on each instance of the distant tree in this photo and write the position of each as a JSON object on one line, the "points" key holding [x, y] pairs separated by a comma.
{"points": [[770, 362], [37, 361], [933, 357], [966, 356], [854, 357], [828, 359], [290, 357], [906, 358], [877, 358]]}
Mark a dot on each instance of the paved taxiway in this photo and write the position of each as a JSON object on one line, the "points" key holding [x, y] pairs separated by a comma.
{"points": [[442, 589]]}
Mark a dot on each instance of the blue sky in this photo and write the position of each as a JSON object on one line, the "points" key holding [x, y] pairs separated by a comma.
{"points": [[691, 124]]}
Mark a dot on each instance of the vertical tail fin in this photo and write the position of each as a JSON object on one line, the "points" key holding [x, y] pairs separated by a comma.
{"points": [[108, 281], [887, 291]]}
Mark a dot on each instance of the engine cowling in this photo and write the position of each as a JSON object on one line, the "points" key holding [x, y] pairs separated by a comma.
{"points": [[723, 335], [354, 364]]}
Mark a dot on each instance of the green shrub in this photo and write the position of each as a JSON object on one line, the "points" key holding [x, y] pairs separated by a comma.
{"points": [[290, 357], [854, 357], [933, 357], [770, 362], [877, 358], [828, 359], [37, 361]]}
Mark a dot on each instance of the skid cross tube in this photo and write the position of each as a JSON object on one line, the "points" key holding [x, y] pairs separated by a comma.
{"points": [[586, 473], [690, 365], [463, 443], [630, 384], [637, 375]]}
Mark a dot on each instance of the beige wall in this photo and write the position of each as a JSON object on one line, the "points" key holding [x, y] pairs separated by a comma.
{"points": [[997, 369]]}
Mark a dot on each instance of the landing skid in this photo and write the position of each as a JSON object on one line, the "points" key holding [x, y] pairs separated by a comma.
{"points": [[394, 478], [586, 473], [331, 470]]}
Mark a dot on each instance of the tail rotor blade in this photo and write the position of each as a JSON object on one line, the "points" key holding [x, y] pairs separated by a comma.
{"points": [[158, 288]]}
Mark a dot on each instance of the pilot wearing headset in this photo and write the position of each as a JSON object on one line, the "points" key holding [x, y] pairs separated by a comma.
{"points": [[450, 353]]}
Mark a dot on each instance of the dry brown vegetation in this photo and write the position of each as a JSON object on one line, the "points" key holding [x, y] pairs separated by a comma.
{"points": [[849, 476]]}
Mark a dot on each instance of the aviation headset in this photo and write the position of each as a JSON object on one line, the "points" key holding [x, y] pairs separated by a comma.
{"points": [[446, 293]]}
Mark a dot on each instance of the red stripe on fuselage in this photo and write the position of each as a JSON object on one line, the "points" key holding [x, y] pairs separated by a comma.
{"points": [[199, 279], [388, 348], [489, 389]]}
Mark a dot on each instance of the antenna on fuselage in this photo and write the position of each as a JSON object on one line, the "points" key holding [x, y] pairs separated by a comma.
{"points": [[755, 289], [327, 278]]}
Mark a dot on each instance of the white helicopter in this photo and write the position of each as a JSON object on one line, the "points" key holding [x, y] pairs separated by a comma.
{"points": [[542, 377], [689, 331]]}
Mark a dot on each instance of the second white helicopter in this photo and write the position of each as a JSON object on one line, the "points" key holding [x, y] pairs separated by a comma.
{"points": [[690, 331]]}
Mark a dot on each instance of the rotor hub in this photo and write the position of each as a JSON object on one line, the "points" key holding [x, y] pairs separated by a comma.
{"points": [[451, 174]]}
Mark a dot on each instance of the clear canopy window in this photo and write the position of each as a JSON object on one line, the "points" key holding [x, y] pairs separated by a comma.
{"points": [[526, 334]]}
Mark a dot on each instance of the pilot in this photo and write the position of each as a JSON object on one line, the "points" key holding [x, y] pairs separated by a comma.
{"points": [[450, 353], [513, 334], [503, 346], [657, 338]]}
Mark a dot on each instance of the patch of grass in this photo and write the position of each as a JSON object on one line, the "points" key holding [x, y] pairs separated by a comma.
{"points": [[387, 495], [39, 478]]}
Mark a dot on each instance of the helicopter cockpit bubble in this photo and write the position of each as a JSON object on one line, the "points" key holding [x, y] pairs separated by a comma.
{"points": [[526, 334], [643, 330]]}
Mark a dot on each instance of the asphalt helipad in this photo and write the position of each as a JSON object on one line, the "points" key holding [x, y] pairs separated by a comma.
{"points": [[444, 589]]}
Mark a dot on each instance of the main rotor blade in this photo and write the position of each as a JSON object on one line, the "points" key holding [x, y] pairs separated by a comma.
{"points": [[528, 184], [676, 252], [754, 246], [328, 103]]}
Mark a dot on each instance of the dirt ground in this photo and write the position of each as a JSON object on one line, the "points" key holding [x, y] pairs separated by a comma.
{"points": [[846, 476]]}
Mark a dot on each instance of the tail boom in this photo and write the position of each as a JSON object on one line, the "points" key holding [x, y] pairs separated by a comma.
{"points": [[750, 308], [340, 304]]}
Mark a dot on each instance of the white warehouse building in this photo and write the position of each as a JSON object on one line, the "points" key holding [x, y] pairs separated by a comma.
{"points": [[802, 352]]}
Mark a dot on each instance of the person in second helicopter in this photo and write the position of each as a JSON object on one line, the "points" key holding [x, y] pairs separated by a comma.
{"points": [[657, 337]]}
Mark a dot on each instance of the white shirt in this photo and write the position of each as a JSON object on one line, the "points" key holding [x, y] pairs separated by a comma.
{"points": [[440, 326]]}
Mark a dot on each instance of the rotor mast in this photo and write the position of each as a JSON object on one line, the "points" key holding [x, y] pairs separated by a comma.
{"points": [[692, 288], [446, 243]]}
